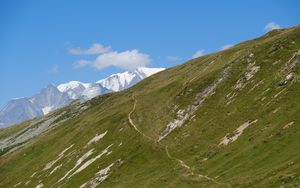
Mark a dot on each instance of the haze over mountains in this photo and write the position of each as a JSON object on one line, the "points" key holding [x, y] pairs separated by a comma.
{"points": [[51, 97]]}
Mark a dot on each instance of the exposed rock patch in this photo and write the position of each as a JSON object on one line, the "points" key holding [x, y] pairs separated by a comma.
{"points": [[183, 114], [96, 138], [236, 134], [288, 125], [98, 178], [51, 163]]}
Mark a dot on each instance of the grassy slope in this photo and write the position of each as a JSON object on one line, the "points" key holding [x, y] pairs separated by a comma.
{"points": [[265, 155]]}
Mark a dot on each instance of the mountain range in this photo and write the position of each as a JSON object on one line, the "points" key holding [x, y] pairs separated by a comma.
{"points": [[226, 119], [51, 97]]}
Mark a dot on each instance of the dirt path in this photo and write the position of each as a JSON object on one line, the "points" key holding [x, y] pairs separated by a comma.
{"points": [[180, 162], [132, 123]]}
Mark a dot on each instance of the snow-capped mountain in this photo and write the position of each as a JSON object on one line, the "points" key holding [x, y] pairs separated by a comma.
{"points": [[79, 90], [120, 81], [49, 99], [18, 110], [74, 89], [52, 97]]}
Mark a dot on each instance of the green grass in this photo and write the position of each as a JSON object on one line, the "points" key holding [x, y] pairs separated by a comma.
{"points": [[265, 155]]}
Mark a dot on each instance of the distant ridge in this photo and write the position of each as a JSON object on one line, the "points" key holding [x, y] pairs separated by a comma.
{"points": [[52, 97]]}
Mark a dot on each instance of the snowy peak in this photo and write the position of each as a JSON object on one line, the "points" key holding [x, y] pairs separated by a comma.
{"points": [[117, 82], [51, 97], [113, 83], [120, 81], [93, 90], [79, 90], [74, 89], [148, 71], [65, 87]]}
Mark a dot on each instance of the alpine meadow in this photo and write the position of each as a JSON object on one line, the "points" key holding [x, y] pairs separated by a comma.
{"points": [[226, 119]]}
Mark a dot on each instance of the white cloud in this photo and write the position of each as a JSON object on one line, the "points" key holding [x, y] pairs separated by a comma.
{"points": [[199, 53], [227, 46], [173, 58], [271, 26], [93, 50], [129, 59], [53, 69]]}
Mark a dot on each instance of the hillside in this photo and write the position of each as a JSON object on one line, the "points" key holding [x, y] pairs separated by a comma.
{"points": [[228, 119]]}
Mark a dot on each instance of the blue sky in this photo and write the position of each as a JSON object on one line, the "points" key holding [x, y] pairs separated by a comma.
{"points": [[37, 37]]}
